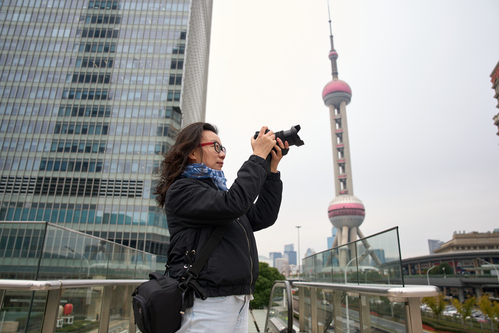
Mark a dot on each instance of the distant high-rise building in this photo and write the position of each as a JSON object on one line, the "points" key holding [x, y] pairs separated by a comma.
{"points": [[282, 266], [330, 240], [434, 244], [290, 254], [92, 93], [273, 256], [309, 252], [495, 85]]}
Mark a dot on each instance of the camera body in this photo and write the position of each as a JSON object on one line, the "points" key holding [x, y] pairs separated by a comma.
{"points": [[291, 136]]}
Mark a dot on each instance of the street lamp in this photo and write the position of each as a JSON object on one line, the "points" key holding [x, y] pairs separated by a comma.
{"points": [[495, 267], [346, 296], [299, 259], [78, 253], [428, 271]]}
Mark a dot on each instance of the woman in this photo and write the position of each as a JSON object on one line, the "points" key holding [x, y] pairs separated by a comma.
{"points": [[193, 191]]}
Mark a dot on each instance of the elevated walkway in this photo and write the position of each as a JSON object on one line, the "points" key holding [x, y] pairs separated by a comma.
{"points": [[355, 288], [260, 316]]}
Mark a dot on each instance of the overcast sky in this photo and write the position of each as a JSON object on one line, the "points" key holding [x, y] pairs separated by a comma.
{"points": [[424, 149]]}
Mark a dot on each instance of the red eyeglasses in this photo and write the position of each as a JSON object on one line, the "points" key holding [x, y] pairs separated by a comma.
{"points": [[218, 147]]}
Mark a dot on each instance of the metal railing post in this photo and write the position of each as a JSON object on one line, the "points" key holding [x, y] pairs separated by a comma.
{"points": [[51, 310], [413, 320], [105, 309], [364, 314], [301, 309], [131, 323], [337, 313], [313, 310], [2, 295]]}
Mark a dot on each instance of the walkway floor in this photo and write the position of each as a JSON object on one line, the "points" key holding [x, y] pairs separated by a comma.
{"points": [[260, 316]]}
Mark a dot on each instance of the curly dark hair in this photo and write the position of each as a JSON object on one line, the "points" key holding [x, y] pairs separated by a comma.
{"points": [[177, 157]]}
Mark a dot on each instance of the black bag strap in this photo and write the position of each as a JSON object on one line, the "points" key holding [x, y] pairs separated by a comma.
{"points": [[207, 250], [197, 266]]}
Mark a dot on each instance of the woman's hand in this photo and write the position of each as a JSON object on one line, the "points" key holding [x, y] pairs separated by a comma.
{"points": [[277, 154], [263, 143]]}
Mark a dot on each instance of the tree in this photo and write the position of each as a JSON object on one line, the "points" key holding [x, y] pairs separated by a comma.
{"points": [[489, 308], [464, 309], [443, 268], [436, 304], [263, 285]]}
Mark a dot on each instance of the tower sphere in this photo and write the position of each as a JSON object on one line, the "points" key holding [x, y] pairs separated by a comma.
{"points": [[335, 92], [333, 55], [346, 210]]}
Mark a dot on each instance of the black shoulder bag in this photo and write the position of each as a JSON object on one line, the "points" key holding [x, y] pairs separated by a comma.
{"points": [[159, 303]]}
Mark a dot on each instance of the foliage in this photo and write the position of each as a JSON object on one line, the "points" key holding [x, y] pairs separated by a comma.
{"points": [[489, 308], [436, 304], [464, 309], [80, 326], [440, 269], [443, 326], [264, 283]]}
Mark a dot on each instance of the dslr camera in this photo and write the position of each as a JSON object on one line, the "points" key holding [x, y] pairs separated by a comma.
{"points": [[291, 136]]}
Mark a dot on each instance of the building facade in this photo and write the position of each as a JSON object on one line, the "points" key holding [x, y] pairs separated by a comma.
{"points": [[474, 258], [92, 94], [471, 241], [494, 76]]}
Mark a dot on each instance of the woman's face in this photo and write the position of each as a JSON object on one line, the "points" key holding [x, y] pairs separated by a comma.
{"points": [[209, 156]]}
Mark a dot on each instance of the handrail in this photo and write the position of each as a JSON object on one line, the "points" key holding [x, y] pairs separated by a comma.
{"points": [[52, 319], [62, 284], [413, 291], [409, 295], [289, 306]]}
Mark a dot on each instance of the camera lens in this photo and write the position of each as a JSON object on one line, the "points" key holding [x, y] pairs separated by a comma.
{"points": [[291, 136]]}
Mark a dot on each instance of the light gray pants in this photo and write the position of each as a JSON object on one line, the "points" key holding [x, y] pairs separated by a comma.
{"points": [[218, 315]]}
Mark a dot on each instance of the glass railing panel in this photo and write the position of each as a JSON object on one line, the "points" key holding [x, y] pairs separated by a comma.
{"points": [[308, 269], [349, 312], [324, 305], [387, 315], [18, 257], [121, 309], [371, 260], [79, 309], [16, 310], [120, 262], [306, 312], [45, 251], [380, 259]]}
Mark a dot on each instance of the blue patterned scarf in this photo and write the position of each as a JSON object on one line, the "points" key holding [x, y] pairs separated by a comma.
{"points": [[201, 171]]}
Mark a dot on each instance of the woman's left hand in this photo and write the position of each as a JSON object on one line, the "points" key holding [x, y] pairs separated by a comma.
{"points": [[277, 154]]}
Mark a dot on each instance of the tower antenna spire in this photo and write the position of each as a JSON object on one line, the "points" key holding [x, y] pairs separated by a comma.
{"points": [[329, 13], [333, 55]]}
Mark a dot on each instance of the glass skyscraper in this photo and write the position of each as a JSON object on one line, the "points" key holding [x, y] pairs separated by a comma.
{"points": [[92, 93]]}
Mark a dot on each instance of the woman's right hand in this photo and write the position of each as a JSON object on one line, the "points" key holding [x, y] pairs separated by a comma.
{"points": [[264, 142]]}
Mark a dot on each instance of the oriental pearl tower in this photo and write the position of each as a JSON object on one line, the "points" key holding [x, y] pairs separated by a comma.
{"points": [[346, 211]]}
